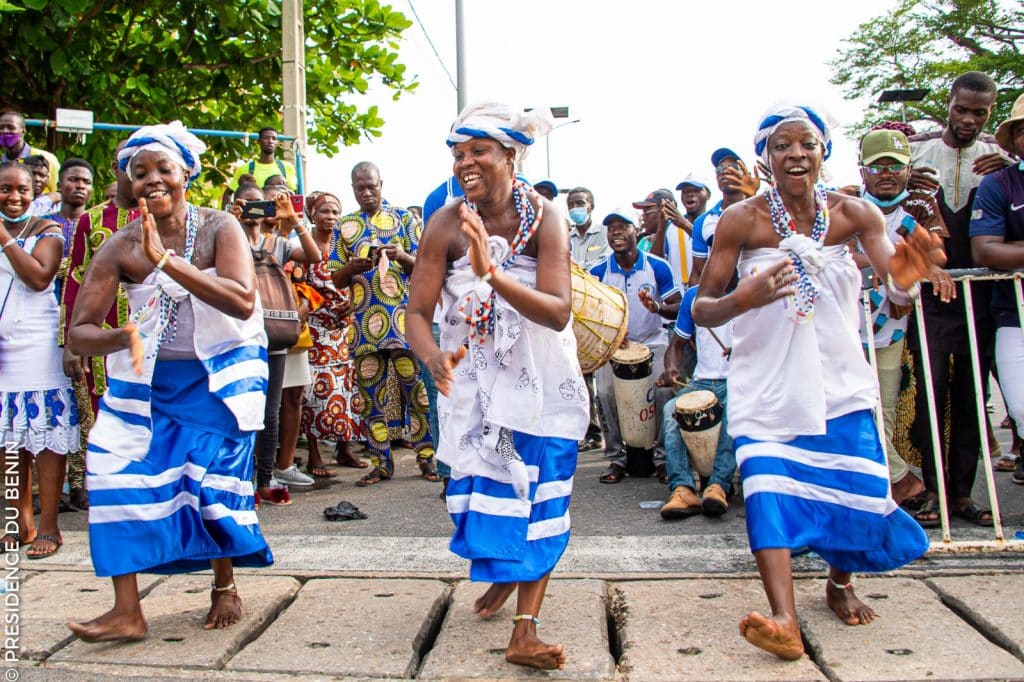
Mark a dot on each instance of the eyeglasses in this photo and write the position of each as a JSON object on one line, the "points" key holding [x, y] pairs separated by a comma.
{"points": [[721, 168], [878, 169]]}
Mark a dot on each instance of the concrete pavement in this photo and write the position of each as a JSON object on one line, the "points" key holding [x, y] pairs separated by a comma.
{"points": [[940, 625]]}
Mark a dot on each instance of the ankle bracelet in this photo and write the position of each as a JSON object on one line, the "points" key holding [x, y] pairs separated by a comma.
{"points": [[847, 586], [526, 616], [227, 588]]}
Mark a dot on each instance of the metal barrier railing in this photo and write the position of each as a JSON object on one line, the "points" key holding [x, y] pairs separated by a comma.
{"points": [[964, 277]]}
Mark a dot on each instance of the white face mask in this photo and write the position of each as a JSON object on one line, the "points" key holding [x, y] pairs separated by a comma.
{"points": [[579, 215]]}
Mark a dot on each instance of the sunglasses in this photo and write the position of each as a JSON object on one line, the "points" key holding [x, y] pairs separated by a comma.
{"points": [[877, 169]]}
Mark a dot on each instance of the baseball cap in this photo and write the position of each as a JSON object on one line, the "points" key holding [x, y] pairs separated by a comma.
{"points": [[723, 153], [655, 197], [693, 180], [879, 144], [623, 214], [549, 184]]}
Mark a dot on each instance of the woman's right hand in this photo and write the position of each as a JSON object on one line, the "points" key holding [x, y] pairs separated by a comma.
{"points": [[441, 366], [761, 288]]}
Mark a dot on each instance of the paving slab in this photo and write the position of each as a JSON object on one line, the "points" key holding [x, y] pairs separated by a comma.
{"points": [[990, 603], [50, 599], [677, 630], [915, 637], [345, 627], [574, 615], [176, 611]]}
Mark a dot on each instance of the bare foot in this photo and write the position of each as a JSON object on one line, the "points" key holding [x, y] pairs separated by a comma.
{"points": [[776, 636], [529, 651], [845, 604], [225, 609], [491, 601], [112, 626]]}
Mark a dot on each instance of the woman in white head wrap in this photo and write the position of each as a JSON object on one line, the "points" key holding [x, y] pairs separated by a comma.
{"points": [[511, 413], [801, 394], [169, 461]]}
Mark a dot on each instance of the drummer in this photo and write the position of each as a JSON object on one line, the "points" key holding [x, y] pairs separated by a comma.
{"points": [[651, 298], [713, 349]]}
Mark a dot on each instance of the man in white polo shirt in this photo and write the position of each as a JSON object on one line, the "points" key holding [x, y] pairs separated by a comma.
{"points": [[651, 298]]}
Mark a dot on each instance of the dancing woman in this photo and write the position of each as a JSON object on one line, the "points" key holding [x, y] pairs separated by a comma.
{"points": [[512, 412], [170, 458]]}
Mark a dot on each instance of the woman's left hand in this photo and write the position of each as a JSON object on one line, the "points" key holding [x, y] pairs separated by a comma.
{"points": [[479, 250], [152, 246]]}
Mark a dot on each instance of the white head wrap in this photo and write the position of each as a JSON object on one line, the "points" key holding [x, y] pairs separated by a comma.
{"points": [[172, 139], [785, 112], [513, 128]]}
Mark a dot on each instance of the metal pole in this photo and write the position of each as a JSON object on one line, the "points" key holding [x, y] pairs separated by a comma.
{"points": [[933, 420], [293, 77], [460, 56], [979, 403]]}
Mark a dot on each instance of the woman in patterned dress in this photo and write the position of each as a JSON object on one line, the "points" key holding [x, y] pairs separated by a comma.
{"points": [[328, 412]]}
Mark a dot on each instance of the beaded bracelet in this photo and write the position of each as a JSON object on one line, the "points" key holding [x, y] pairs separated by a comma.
{"points": [[486, 277], [163, 259], [526, 616], [10, 241]]}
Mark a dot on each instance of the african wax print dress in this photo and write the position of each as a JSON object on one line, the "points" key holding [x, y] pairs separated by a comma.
{"points": [[330, 408]]}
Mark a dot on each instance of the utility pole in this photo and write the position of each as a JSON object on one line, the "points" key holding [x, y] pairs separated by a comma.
{"points": [[460, 56], [293, 75]]}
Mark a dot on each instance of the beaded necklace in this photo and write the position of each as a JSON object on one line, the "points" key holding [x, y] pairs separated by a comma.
{"points": [[785, 226], [168, 320], [480, 320]]}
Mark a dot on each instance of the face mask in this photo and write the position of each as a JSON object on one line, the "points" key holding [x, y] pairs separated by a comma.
{"points": [[8, 140], [886, 203], [578, 215]]}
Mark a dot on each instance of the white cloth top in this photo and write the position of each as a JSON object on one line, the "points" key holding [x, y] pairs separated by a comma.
{"points": [[787, 379], [30, 359], [891, 330], [525, 377]]}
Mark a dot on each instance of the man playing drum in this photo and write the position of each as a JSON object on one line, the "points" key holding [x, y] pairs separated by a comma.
{"points": [[708, 377], [651, 298], [801, 393]]}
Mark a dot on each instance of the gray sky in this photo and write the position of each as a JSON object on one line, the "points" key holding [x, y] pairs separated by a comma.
{"points": [[656, 85]]}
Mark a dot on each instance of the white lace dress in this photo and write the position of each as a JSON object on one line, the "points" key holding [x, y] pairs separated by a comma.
{"points": [[37, 402]]}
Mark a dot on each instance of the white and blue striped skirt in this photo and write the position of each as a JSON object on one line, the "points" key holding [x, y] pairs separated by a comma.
{"points": [[507, 539], [190, 499], [828, 494]]}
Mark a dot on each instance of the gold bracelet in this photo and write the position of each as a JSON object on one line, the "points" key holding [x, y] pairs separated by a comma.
{"points": [[163, 259]]}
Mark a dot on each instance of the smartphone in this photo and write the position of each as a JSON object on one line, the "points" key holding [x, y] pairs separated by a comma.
{"points": [[374, 253], [298, 204], [254, 210]]}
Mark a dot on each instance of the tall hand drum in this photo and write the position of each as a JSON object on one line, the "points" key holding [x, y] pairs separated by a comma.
{"points": [[699, 415], [599, 318], [633, 384]]}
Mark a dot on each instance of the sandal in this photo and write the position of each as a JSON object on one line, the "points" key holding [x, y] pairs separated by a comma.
{"points": [[45, 553], [347, 459], [974, 513], [429, 472], [915, 502], [614, 474], [1005, 464], [372, 478], [276, 497], [318, 471], [929, 508]]}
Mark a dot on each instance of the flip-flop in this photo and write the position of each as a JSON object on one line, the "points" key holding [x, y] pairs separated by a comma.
{"points": [[370, 479], [974, 513], [343, 511], [930, 506], [42, 555], [318, 471], [429, 473], [1005, 464]]}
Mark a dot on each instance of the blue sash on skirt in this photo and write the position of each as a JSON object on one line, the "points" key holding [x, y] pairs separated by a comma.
{"points": [[506, 539], [190, 500], [829, 494]]}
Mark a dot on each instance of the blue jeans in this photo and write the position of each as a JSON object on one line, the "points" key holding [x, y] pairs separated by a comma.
{"points": [[443, 470], [677, 460]]}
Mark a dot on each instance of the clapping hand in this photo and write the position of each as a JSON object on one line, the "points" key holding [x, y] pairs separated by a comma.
{"points": [[479, 250], [152, 246]]}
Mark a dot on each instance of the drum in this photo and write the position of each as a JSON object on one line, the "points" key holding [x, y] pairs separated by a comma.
{"points": [[599, 317], [633, 384], [699, 415]]}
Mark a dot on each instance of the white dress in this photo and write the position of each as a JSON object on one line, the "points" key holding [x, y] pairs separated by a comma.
{"points": [[37, 404]]}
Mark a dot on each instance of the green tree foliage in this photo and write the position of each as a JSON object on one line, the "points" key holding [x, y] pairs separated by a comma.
{"points": [[214, 65], [926, 44]]}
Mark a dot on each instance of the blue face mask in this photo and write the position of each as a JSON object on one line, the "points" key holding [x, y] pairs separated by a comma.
{"points": [[886, 203], [579, 215]]}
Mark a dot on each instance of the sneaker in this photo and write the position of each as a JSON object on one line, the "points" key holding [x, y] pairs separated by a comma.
{"points": [[682, 503], [292, 476], [1018, 472]]}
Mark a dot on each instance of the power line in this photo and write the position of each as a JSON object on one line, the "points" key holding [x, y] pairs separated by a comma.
{"points": [[431, 43]]}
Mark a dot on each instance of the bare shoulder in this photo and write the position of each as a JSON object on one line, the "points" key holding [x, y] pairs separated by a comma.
{"points": [[851, 216], [442, 232]]}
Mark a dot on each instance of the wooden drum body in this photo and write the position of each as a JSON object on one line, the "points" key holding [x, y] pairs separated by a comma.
{"points": [[699, 416], [633, 384], [599, 319]]}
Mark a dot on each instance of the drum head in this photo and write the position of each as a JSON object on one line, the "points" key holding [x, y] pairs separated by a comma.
{"points": [[632, 353], [695, 401]]}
